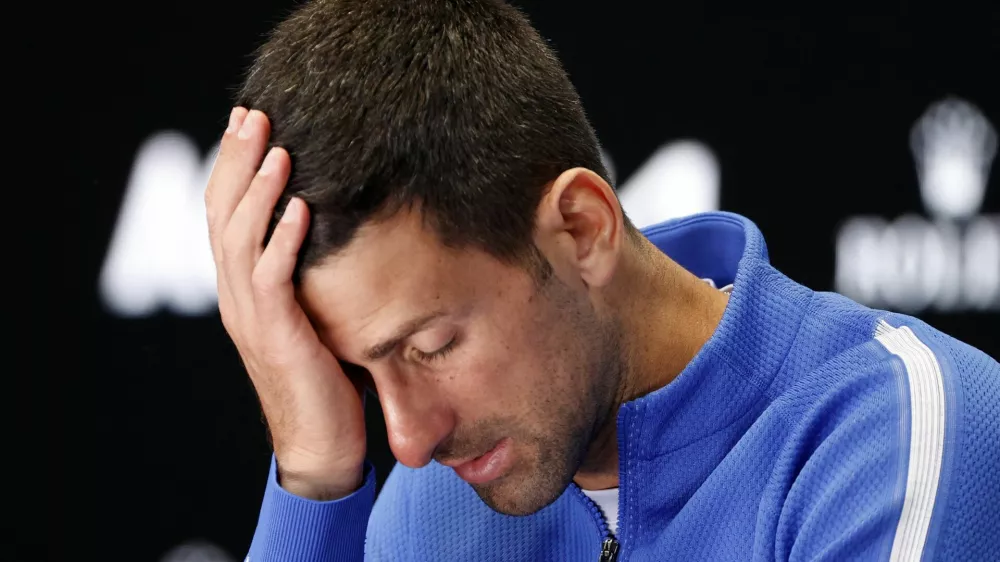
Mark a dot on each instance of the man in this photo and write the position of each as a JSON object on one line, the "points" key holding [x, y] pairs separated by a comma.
{"points": [[556, 385]]}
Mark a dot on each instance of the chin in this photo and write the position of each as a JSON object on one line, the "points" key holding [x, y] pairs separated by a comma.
{"points": [[515, 495]]}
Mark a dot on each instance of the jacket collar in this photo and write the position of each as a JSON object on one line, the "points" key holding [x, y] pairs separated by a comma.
{"points": [[733, 370]]}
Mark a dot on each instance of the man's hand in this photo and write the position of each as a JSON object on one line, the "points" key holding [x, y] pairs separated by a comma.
{"points": [[314, 411]]}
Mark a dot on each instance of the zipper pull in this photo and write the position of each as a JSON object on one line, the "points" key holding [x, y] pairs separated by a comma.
{"points": [[609, 550]]}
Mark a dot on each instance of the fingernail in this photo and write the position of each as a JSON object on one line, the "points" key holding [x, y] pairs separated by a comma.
{"points": [[270, 163], [234, 121], [247, 124], [291, 210]]}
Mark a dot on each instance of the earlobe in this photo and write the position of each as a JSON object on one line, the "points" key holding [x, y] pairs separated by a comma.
{"points": [[581, 213]]}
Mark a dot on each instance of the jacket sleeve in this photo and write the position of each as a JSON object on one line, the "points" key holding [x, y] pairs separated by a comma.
{"points": [[846, 502], [295, 528], [877, 481]]}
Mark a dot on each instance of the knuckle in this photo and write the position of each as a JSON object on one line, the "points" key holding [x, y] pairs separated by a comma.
{"points": [[232, 243], [262, 282], [278, 233], [284, 237], [209, 196], [226, 315], [213, 230], [210, 212], [232, 325]]}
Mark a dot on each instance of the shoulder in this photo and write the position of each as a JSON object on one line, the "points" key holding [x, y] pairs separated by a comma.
{"points": [[889, 433], [954, 439], [848, 358]]}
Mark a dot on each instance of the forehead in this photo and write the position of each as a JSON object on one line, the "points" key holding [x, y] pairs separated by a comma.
{"points": [[391, 272]]}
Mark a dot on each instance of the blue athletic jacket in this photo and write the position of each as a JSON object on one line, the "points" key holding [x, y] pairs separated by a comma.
{"points": [[809, 427]]}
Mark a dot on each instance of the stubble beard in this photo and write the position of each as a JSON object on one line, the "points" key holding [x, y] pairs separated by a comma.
{"points": [[562, 448]]}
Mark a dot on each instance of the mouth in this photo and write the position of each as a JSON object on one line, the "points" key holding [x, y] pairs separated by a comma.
{"points": [[487, 467]]}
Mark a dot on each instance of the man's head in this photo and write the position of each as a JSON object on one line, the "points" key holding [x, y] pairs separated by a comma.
{"points": [[452, 178]]}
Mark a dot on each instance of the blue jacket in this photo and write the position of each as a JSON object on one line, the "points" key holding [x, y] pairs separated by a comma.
{"points": [[809, 427]]}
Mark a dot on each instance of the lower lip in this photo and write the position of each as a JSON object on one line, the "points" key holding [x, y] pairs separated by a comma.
{"points": [[488, 467]]}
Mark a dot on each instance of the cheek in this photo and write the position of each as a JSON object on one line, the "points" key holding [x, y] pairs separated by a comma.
{"points": [[484, 381], [480, 383], [511, 362], [499, 381]]}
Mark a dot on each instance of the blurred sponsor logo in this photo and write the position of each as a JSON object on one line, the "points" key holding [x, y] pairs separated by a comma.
{"points": [[681, 178], [160, 256], [950, 261]]}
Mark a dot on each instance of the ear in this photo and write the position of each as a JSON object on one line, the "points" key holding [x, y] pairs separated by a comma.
{"points": [[579, 227]]}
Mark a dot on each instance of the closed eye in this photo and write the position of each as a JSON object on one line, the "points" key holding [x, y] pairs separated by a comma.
{"points": [[438, 354]]}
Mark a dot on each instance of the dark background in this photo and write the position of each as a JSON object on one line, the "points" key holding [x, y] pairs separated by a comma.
{"points": [[152, 435]]}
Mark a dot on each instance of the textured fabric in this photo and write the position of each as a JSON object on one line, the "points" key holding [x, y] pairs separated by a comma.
{"points": [[968, 524], [292, 528], [790, 436]]}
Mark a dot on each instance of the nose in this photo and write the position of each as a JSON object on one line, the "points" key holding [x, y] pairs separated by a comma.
{"points": [[416, 420]]}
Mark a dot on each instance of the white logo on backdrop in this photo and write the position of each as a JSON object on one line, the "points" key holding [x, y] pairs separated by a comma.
{"points": [[160, 255], [681, 178], [948, 263]]}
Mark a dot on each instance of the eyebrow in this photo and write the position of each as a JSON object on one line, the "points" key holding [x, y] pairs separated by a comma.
{"points": [[380, 350]]}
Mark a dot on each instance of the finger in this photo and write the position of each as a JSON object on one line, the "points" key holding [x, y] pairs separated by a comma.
{"points": [[274, 296], [236, 118], [240, 153], [243, 238], [252, 216]]}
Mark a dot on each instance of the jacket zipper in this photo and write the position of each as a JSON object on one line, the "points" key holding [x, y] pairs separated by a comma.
{"points": [[609, 550], [609, 544]]}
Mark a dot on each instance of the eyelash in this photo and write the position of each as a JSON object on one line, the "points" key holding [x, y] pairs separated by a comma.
{"points": [[435, 355]]}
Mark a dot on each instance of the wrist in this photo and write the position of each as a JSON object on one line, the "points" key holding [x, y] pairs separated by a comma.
{"points": [[320, 486]]}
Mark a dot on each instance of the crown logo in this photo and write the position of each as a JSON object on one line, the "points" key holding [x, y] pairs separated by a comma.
{"points": [[953, 144]]}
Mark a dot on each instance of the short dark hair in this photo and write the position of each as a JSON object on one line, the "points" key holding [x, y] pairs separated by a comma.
{"points": [[457, 108]]}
